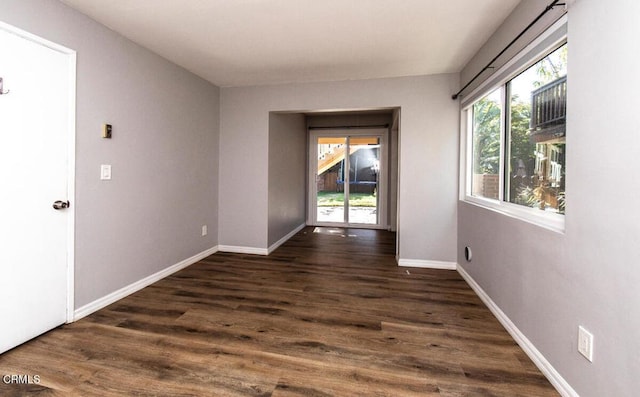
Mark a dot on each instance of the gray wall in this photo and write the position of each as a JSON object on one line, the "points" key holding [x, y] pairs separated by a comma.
{"points": [[163, 152], [548, 283], [393, 169], [428, 154], [357, 119], [287, 174]]}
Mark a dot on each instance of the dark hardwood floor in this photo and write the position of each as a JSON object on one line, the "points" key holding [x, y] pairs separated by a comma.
{"points": [[327, 314]]}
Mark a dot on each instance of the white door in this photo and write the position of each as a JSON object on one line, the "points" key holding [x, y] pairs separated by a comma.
{"points": [[35, 125]]}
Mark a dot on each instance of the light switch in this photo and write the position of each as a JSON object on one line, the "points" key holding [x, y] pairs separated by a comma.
{"points": [[105, 172]]}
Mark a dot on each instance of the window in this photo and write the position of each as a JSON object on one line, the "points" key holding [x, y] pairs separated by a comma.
{"points": [[486, 146], [517, 140]]}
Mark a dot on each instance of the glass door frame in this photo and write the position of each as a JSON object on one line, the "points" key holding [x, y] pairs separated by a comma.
{"points": [[382, 189]]}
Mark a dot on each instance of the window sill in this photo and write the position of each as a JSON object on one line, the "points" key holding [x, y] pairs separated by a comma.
{"points": [[548, 220]]}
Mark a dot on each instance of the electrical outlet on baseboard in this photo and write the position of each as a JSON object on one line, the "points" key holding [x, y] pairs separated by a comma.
{"points": [[585, 343]]}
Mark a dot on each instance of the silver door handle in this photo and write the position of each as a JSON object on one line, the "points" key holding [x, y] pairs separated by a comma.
{"points": [[60, 205]]}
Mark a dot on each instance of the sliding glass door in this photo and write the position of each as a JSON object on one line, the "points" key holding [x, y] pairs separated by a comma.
{"points": [[329, 177], [348, 179]]}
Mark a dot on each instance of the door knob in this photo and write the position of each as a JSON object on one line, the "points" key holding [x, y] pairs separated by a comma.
{"points": [[60, 205]]}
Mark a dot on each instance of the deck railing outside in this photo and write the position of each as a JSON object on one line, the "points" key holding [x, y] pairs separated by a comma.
{"points": [[549, 106]]}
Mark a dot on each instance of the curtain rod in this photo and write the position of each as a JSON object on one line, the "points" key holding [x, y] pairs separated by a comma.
{"points": [[490, 64], [349, 127]]}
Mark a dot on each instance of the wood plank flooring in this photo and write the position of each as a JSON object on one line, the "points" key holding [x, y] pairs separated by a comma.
{"points": [[327, 314]]}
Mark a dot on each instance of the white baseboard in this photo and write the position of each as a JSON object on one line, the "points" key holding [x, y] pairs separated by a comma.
{"points": [[243, 250], [283, 240], [427, 264], [138, 285], [561, 385]]}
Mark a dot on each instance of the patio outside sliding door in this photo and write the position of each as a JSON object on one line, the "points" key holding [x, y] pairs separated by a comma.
{"points": [[348, 180]]}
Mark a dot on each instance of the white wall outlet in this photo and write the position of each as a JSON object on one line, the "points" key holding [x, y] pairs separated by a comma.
{"points": [[585, 343], [204, 230], [105, 172]]}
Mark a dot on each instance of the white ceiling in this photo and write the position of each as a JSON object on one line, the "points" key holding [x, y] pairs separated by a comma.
{"points": [[255, 42]]}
